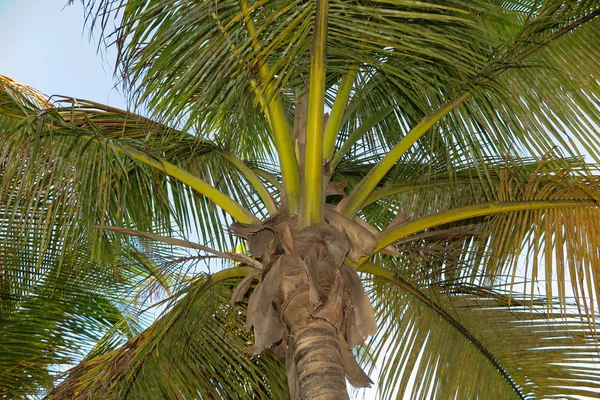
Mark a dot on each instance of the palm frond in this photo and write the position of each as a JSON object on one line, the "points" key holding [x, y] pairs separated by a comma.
{"points": [[60, 176], [187, 352], [548, 100], [54, 306], [163, 57], [545, 350], [93, 141], [560, 242]]}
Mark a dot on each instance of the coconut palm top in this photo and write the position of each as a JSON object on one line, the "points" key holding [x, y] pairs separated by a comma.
{"points": [[399, 191]]}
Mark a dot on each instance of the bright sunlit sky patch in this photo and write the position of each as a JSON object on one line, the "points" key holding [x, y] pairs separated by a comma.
{"points": [[45, 45]]}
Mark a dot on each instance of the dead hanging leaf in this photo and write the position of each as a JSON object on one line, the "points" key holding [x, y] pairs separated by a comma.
{"points": [[354, 373], [259, 242], [337, 244], [242, 288], [245, 230], [261, 315], [336, 188], [305, 279], [338, 247], [271, 232], [266, 305], [363, 242], [333, 307], [360, 323], [390, 250], [399, 219], [258, 236]]}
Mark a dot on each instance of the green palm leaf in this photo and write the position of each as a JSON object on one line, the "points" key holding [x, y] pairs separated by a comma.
{"points": [[545, 353], [458, 172], [193, 345]]}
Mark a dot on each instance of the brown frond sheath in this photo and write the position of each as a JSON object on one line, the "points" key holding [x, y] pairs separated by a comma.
{"points": [[309, 304]]}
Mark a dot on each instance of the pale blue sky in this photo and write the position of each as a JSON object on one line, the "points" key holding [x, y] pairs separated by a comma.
{"points": [[45, 45]]}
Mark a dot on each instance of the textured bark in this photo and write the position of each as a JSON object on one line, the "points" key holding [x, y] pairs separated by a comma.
{"points": [[310, 305], [317, 357]]}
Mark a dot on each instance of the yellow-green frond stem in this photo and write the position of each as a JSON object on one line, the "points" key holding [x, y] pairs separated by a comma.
{"points": [[388, 237], [287, 156], [334, 123], [252, 178], [264, 70], [279, 125], [230, 206], [312, 194], [363, 190], [358, 133]]}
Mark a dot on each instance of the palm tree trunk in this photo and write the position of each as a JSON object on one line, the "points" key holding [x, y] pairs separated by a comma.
{"points": [[308, 303], [318, 362]]}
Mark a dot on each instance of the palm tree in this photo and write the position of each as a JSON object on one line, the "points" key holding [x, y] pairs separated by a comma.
{"points": [[442, 206]]}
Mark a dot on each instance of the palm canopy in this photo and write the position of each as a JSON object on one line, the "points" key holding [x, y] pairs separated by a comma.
{"points": [[457, 137]]}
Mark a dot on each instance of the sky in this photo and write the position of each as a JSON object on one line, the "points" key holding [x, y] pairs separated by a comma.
{"points": [[45, 45]]}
